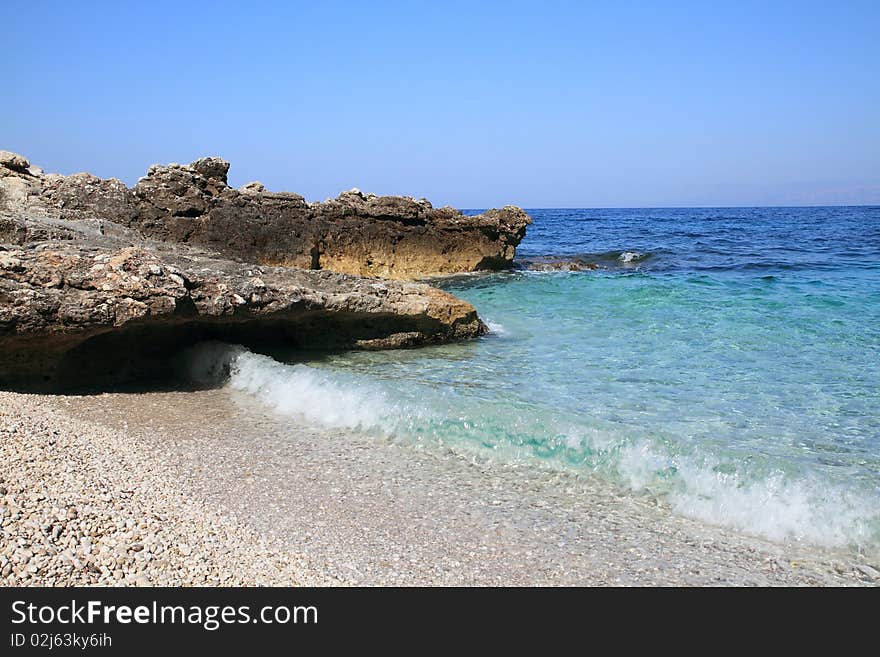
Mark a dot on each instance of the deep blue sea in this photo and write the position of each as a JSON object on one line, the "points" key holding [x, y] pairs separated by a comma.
{"points": [[725, 360]]}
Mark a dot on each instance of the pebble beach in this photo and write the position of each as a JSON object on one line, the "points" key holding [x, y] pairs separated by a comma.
{"points": [[81, 505], [159, 489]]}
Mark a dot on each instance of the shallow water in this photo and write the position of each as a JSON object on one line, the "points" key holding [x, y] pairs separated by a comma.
{"points": [[376, 511], [725, 360]]}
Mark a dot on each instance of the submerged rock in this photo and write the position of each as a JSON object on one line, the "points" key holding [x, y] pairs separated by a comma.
{"points": [[556, 264], [86, 298]]}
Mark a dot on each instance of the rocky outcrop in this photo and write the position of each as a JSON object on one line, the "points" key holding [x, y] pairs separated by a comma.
{"points": [[384, 236], [356, 233], [27, 191], [86, 299]]}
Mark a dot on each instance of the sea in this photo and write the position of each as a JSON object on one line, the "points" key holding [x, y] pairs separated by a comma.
{"points": [[725, 361]]}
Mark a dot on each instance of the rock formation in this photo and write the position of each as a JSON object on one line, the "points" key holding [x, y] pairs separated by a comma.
{"points": [[356, 233], [99, 283], [386, 236]]}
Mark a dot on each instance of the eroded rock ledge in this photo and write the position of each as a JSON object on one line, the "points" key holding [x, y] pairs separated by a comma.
{"points": [[387, 236], [86, 299]]}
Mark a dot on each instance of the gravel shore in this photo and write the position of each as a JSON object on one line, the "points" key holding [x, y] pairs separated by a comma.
{"points": [[81, 504], [208, 488]]}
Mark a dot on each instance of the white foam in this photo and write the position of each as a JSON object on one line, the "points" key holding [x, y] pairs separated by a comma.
{"points": [[780, 506], [496, 328], [629, 256], [311, 394]]}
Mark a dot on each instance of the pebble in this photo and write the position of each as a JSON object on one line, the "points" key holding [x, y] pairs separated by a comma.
{"points": [[73, 530], [104, 508], [868, 571]]}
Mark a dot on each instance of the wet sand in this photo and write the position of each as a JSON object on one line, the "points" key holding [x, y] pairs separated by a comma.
{"points": [[369, 511]]}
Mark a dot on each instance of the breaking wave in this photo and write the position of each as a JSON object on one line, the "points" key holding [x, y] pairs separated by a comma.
{"points": [[760, 498], [631, 256], [496, 328]]}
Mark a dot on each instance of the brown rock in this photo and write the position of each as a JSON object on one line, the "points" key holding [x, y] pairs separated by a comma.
{"points": [[255, 187], [388, 236], [14, 162], [100, 283], [212, 168], [92, 309]]}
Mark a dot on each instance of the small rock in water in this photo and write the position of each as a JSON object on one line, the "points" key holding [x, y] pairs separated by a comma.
{"points": [[629, 256]]}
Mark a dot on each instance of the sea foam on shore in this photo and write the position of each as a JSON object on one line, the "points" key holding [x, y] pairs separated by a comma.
{"points": [[372, 511], [764, 500]]}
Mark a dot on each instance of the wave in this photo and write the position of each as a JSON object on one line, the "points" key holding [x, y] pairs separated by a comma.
{"points": [[496, 328], [632, 256], [776, 505], [319, 397], [607, 260], [702, 259], [727, 491]]}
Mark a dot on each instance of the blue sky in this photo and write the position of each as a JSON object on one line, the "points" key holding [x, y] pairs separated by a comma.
{"points": [[540, 104]]}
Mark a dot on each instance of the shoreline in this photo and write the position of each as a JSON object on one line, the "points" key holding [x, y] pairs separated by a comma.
{"points": [[363, 511]]}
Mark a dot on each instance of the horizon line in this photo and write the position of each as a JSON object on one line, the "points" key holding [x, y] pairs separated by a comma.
{"points": [[679, 207]]}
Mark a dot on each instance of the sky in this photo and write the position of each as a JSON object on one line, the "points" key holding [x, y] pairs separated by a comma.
{"points": [[471, 104]]}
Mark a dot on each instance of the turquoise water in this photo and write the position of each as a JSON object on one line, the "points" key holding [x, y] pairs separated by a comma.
{"points": [[723, 360]]}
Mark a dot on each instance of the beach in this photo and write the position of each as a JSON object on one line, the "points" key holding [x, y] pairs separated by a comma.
{"points": [[82, 504], [224, 391], [206, 487]]}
